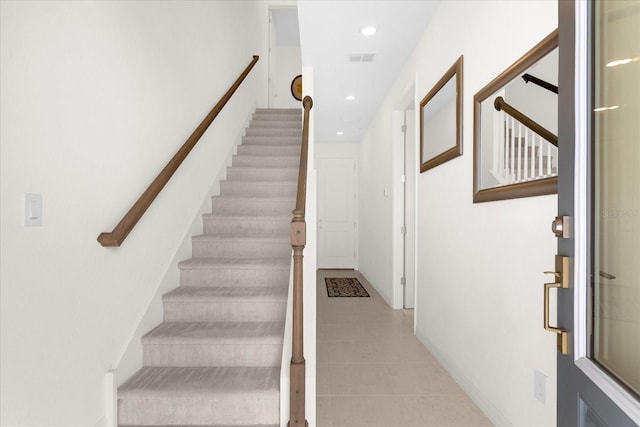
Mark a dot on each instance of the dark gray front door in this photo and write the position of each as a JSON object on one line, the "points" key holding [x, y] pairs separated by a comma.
{"points": [[599, 192]]}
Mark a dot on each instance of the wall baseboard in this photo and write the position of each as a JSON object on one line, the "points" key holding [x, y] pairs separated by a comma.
{"points": [[488, 408]]}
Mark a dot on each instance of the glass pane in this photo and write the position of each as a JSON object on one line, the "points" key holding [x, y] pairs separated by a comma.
{"points": [[616, 196]]}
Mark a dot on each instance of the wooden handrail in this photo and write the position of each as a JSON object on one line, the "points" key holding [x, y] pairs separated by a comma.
{"points": [[131, 218], [500, 104], [298, 242]]}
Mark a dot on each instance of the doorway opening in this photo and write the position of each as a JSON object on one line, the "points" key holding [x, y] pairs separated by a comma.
{"points": [[285, 61]]}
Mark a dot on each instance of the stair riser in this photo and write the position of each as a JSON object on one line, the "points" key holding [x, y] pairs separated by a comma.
{"points": [[266, 162], [283, 141], [246, 228], [205, 410], [251, 207], [253, 189], [231, 311], [242, 354], [273, 132], [227, 249], [289, 123], [274, 111], [263, 175], [269, 150], [278, 116], [236, 278]]}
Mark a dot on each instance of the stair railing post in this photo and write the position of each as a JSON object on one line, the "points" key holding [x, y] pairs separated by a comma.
{"points": [[298, 242]]}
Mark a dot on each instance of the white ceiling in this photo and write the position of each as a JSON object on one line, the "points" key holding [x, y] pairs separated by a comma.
{"points": [[330, 31]]}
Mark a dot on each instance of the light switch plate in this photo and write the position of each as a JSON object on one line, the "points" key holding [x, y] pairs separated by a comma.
{"points": [[32, 210], [540, 386]]}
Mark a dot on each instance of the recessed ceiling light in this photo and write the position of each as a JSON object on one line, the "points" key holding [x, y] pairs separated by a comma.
{"points": [[349, 97], [339, 133], [369, 30]]}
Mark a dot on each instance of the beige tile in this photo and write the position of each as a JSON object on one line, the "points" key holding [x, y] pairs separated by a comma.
{"points": [[443, 411], [419, 379], [322, 352], [323, 412], [322, 380], [332, 332], [372, 371], [352, 379], [357, 352], [372, 411]]}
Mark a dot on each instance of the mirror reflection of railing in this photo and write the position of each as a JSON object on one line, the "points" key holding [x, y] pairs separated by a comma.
{"points": [[544, 84], [524, 150], [606, 275]]}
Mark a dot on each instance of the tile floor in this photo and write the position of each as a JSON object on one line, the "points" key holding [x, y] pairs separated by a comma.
{"points": [[372, 371]]}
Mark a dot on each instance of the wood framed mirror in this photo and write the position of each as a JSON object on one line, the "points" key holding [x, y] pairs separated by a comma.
{"points": [[441, 120], [515, 143]]}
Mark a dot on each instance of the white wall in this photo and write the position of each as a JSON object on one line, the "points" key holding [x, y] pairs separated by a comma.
{"points": [[375, 207], [479, 286], [96, 97], [288, 65]]}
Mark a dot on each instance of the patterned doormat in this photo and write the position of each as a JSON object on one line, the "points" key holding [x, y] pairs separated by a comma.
{"points": [[344, 287]]}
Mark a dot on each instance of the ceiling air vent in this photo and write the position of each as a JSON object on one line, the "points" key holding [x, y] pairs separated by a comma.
{"points": [[361, 57]]}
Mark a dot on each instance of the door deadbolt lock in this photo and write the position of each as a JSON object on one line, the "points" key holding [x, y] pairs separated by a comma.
{"points": [[561, 275], [560, 227]]}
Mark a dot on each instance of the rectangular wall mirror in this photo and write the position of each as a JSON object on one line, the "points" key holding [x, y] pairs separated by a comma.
{"points": [[515, 143], [441, 120]]}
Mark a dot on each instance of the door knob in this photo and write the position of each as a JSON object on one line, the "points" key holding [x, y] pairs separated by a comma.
{"points": [[561, 275]]}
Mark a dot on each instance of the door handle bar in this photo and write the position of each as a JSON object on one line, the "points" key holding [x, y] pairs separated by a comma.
{"points": [[562, 281]]}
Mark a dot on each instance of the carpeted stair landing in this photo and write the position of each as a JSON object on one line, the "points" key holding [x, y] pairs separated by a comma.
{"points": [[215, 361]]}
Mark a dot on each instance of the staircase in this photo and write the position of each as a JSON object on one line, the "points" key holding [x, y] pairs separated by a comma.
{"points": [[215, 360], [519, 154]]}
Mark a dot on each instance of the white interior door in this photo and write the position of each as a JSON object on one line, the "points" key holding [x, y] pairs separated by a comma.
{"points": [[336, 212]]}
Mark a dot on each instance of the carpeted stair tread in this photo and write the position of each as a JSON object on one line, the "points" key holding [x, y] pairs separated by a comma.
{"points": [[269, 150], [259, 122], [242, 173], [282, 140], [222, 294], [208, 245], [258, 226], [247, 206], [266, 162], [258, 189], [239, 263], [215, 360], [231, 240], [279, 111], [282, 200], [217, 425], [273, 132], [277, 218], [216, 332], [202, 381]]}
